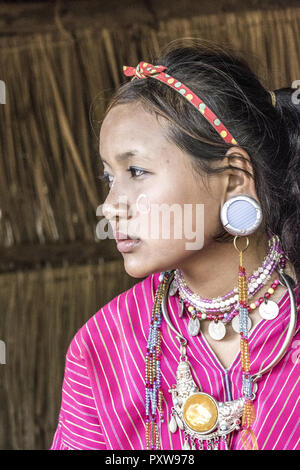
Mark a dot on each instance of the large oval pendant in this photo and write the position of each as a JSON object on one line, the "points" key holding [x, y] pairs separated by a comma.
{"points": [[200, 412], [217, 331]]}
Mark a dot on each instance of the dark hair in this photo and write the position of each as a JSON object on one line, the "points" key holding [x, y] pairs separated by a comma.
{"points": [[270, 135]]}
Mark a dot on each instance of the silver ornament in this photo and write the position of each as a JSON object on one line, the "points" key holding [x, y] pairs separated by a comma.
{"points": [[173, 288], [217, 331], [194, 326], [173, 425], [269, 310], [180, 308], [236, 324], [179, 422]]}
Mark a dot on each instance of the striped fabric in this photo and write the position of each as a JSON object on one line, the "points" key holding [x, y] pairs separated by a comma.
{"points": [[103, 394]]}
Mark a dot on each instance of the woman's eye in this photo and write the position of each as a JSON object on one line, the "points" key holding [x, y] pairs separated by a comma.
{"points": [[105, 177], [135, 173]]}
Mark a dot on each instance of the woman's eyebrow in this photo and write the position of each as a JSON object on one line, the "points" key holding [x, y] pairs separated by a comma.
{"points": [[125, 156]]}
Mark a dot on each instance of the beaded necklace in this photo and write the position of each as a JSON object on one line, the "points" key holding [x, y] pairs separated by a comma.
{"points": [[232, 411], [223, 310]]}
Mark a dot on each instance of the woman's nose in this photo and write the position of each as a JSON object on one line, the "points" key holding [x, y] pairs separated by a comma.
{"points": [[112, 209]]}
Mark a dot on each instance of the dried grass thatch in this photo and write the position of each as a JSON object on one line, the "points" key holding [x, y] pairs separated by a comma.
{"points": [[49, 190]]}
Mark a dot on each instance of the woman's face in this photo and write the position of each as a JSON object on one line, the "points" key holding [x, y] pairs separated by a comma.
{"points": [[154, 194]]}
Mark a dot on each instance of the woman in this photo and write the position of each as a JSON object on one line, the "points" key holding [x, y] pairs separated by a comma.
{"points": [[173, 362]]}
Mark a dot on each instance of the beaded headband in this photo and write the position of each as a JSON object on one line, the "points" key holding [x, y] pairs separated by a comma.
{"points": [[144, 70]]}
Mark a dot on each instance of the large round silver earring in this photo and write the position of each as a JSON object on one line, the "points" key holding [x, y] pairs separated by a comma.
{"points": [[241, 215]]}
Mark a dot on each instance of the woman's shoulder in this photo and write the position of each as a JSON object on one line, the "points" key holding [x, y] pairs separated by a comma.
{"points": [[128, 312]]}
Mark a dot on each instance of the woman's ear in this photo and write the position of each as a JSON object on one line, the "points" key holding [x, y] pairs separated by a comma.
{"points": [[240, 175]]}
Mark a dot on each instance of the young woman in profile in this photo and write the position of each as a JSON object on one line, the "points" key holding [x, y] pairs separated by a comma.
{"points": [[202, 353]]}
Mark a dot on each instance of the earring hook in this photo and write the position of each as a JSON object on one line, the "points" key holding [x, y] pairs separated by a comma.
{"points": [[235, 246]]}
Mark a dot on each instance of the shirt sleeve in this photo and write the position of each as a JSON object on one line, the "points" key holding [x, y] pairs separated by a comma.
{"points": [[78, 423]]}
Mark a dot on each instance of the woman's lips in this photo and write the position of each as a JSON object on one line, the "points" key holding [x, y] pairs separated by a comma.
{"points": [[125, 243], [125, 246]]}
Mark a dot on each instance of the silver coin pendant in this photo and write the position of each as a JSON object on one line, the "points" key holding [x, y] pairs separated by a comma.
{"points": [[236, 324], [269, 310], [217, 330]]}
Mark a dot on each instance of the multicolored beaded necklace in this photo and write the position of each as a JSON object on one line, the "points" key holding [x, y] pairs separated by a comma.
{"points": [[223, 310], [153, 392]]}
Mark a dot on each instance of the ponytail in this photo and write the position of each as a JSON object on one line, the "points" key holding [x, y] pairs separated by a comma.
{"points": [[289, 115]]}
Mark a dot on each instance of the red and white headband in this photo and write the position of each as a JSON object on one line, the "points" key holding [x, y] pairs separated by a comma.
{"points": [[144, 70]]}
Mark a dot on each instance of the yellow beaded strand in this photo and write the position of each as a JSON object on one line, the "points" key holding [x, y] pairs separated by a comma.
{"points": [[249, 410]]}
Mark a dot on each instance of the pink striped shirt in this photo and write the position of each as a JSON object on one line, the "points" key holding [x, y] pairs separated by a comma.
{"points": [[103, 393]]}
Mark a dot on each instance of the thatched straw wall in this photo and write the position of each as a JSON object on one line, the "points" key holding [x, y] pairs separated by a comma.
{"points": [[60, 273], [40, 312]]}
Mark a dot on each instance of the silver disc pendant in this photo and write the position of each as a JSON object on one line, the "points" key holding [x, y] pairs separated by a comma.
{"points": [[269, 310], [194, 326], [236, 324], [217, 330]]}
